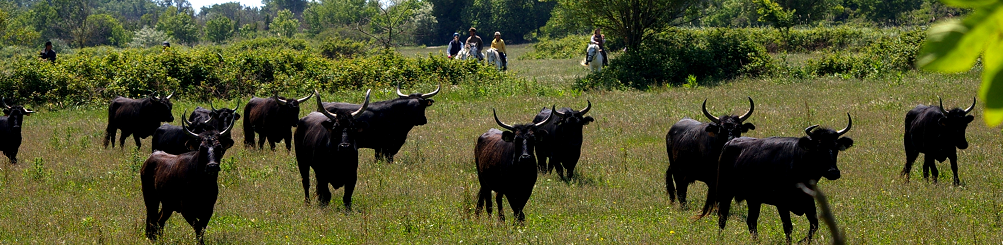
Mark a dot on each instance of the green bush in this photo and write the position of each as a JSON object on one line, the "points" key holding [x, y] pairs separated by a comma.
{"points": [[337, 48], [569, 47]]}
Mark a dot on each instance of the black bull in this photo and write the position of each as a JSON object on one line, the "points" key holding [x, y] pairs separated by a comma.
{"points": [[389, 121], [694, 147], [272, 119], [767, 171], [505, 165], [937, 134], [136, 117], [10, 129], [563, 137], [325, 142]]}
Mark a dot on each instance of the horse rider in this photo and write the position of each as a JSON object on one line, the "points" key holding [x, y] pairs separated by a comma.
{"points": [[599, 39], [455, 46], [499, 45], [475, 40]]}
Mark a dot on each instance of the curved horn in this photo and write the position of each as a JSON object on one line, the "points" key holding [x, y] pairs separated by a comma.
{"points": [[184, 125], [226, 132], [547, 120], [752, 107], [236, 106], [281, 101], [970, 107], [320, 108], [849, 124], [305, 98], [807, 131], [402, 95], [4, 101], [211, 106], [358, 113], [503, 125], [429, 95], [26, 111], [707, 114], [169, 96], [558, 112], [942, 110], [587, 108]]}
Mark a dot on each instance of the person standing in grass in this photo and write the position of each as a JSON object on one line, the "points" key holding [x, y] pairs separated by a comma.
{"points": [[454, 46], [499, 44], [474, 39], [48, 53], [599, 39]]}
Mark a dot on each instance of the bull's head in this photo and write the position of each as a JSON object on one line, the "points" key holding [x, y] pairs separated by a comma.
{"points": [[955, 122], [416, 104], [290, 108], [823, 146], [524, 138], [198, 124], [212, 146], [568, 117], [15, 115], [225, 114], [162, 107], [343, 124], [729, 127]]}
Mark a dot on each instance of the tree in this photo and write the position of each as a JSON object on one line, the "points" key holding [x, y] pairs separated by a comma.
{"points": [[388, 21], [772, 13], [13, 32], [627, 19], [148, 37], [179, 24], [284, 24], [955, 45], [72, 19], [294, 6], [334, 13], [103, 29], [218, 29]]}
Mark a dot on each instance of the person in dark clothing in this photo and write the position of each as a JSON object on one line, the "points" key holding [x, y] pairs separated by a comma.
{"points": [[474, 39], [48, 53], [454, 46]]}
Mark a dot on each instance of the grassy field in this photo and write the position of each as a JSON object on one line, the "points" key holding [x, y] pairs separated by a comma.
{"points": [[68, 189]]}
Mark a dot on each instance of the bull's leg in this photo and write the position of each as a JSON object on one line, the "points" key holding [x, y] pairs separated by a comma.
{"points": [[812, 224], [722, 212], [289, 140], [271, 142], [261, 141], [349, 189], [121, 139], [518, 203], [753, 220], [952, 157], [12, 155], [483, 195], [934, 172], [248, 135], [501, 213], [305, 176], [135, 137], [323, 194], [193, 221], [203, 221], [541, 162], [669, 187], [910, 157], [152, 227], [927, 162], [785, 218], [109, 135], [558, 162], [487, 201], [682, 186], [164, 214]]}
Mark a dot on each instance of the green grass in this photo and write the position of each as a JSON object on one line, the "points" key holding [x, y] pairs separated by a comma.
{"points": [[69, 189]]}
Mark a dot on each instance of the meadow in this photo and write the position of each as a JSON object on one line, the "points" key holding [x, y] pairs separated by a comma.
{"points": [[68, 189]]}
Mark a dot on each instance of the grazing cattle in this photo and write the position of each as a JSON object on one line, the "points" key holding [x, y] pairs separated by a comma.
{"points": [[389, 121], [220, 117], [768, 171], [565, 137], [326, 142], [175, 140], [937, 134], [183, 183], [10, 129], [138, 117], [505, 165], [694, 147], [272, 119]]}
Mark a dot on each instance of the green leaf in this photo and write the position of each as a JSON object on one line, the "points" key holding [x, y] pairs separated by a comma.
{"points": [[954, 46], [991, 91], [968, 3]]}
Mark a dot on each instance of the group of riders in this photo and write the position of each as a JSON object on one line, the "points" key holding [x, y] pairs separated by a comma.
{"points": [[474, 42]]}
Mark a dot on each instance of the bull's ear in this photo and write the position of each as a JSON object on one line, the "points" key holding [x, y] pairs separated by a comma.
{"points": [[748, 126], [508, 136], [227, 143], [844, 142], [429, 102], [6, 112], [588, 119], [969, 118], [806, 143], [713, 128]]}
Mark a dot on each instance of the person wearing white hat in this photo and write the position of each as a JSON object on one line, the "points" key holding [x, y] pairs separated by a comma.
{"points": [[499, 44]]}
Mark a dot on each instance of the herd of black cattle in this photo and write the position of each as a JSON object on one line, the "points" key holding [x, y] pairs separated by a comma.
{"points": [[181, 174]]}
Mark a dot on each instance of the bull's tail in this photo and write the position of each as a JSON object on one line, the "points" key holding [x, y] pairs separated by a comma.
{"points": [[670, 188]]}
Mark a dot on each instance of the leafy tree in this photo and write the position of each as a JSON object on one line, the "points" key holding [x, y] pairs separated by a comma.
{"points": [[13, 31], [388, 20], [103, 29], [885, 11], [630, 20], [294, 6], [772, 13], [148, 37], [249, 30], [72, 18], [179, 24], [335, 13], [284, 24], [219, 29], [955, 45]]}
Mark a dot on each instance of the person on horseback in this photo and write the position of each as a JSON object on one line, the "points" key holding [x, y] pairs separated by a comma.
{"points": [[454, 46], [499, 45], [600, 39], [475, 40]]}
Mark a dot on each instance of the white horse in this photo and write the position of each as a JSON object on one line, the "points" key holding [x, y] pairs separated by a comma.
{"points": [[469, 52], [494, 58], [595, 58]]}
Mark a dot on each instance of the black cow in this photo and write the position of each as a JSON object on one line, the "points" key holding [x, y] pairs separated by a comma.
{"points": [[505, 165], [767, 171], [221, 117], [937, 134], [565, 137], [175, 139], [326, 142], [272, 118], [138, 117], [389, 121], [10, 129], [183, 183], [694, 147]]}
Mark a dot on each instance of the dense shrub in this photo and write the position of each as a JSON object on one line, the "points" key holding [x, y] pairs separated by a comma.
{"points": [[886, 54], [569, 47], [94, 75], [269, 43], [336, 48]]}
